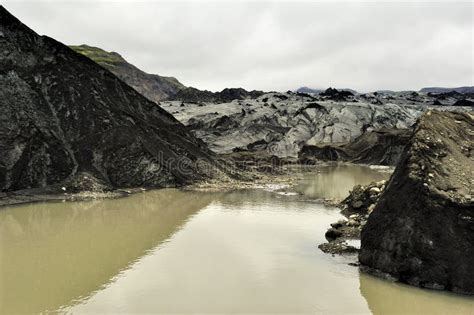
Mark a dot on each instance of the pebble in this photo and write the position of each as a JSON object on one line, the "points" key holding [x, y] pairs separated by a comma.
{"points": [[353, 223], [375, 190], [357, 204], [333, 233], [371, 208], [381, 183], [336, 225]]}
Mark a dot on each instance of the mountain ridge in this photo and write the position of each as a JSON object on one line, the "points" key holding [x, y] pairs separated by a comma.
{"points": [[153, 86]]}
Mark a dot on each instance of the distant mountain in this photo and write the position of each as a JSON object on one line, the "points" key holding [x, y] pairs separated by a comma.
{"points": [[152, 86], [462, 90], [191, 94], [64, 120]]}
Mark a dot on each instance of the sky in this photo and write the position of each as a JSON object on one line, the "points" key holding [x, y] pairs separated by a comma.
{"points": [[273, 45]]}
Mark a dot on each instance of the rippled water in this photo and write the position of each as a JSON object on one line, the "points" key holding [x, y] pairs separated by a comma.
{"points": [[176, 251]]}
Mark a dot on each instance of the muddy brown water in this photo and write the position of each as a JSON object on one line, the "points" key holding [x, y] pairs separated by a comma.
{"points": [[173, 251]]}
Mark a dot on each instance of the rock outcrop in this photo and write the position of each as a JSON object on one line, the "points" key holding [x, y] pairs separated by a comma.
{"points": [[464, 102], [63, 116], [362, 198], [356, 208], [422, 229], [337, 95], [152, 86]]}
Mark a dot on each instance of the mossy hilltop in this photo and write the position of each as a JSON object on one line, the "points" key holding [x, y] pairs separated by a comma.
{"points": [[153, 86]]}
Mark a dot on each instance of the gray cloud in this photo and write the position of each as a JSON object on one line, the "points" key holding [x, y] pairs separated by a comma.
{"points": [[274, 45]]}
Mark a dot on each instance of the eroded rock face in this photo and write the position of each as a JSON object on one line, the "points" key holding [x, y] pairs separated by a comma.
{"points": [[422, 229], [380, 147], [61, 114]]}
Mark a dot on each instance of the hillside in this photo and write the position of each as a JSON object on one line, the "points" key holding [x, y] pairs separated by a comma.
{"points": [[152, 86], [65, 119]]}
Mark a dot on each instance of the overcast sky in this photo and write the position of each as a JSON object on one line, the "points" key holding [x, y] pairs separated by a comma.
{"points": [[273, 45]]}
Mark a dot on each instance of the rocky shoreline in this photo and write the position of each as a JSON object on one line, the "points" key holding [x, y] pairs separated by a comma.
{"points": [[283, 176], [85, 187], [356, 208]]}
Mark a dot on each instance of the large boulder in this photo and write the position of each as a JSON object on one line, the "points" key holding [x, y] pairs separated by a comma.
{"points": [[62, 115], [422, 229]]}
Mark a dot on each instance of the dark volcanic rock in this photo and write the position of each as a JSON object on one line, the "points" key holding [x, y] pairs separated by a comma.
{"points": [[229, 94], [333, 233], [381, 147], [62, 115], [463, 89], [194, 95], [447, 95], [422, 229], [308, 90], [464, 102], [356, 208], [336, 95], [362, 199], [325, 152]]}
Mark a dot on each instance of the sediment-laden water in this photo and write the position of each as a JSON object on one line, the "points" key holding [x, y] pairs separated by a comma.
{"points": [[170, 251]]}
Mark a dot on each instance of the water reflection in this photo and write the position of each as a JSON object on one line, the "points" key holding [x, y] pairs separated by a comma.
{"points": [[244, 253], [385, 297], [179, 251], [336, 181], [53, 253]]}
